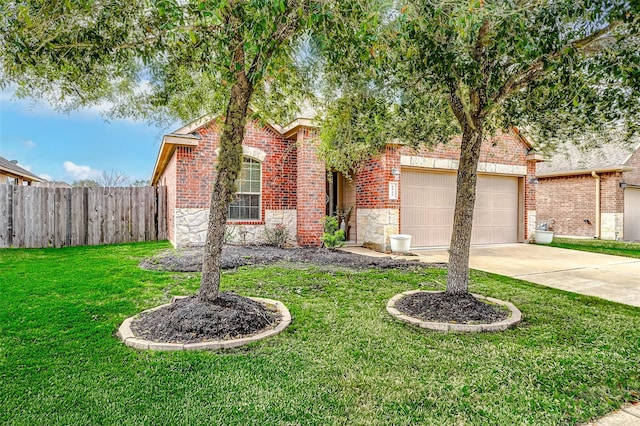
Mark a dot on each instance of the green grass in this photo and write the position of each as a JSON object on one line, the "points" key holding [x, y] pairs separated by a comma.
{"points": [[342, 361], [617, 248]]}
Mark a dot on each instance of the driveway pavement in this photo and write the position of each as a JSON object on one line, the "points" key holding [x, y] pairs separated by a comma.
{"points": [[613, 278]]}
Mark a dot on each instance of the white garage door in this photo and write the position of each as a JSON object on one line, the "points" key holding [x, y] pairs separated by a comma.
{"points": [[632, 214], [428, 201]]}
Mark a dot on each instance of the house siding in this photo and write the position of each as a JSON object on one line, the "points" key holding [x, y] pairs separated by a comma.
{"points": [[633, 177], [195, 170], [294, 182], [568, 202]]}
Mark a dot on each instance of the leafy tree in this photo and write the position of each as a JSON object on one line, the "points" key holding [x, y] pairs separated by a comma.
{"points": [[428, 70], [165, 57], [141, 182]]}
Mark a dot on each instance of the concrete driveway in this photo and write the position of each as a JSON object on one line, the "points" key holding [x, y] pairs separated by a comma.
{"points": [[613, 278]]}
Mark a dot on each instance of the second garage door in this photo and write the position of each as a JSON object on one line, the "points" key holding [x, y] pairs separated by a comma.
{"points": [[428, 201], [632, 214]]}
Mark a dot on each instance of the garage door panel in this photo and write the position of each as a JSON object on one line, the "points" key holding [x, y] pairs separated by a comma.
{"points": [[428, 202], [632, 214]]}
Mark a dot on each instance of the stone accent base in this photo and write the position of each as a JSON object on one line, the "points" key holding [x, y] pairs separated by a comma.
{"points": [[191, 227], [531, 225], [375, 226], [611, 226]]}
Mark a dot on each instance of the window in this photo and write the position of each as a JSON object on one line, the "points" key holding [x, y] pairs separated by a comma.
{"points": [[246, 204]]}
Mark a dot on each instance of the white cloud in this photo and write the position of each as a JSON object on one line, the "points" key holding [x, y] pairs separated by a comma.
{"points": [[29, 144], [77, 171]]}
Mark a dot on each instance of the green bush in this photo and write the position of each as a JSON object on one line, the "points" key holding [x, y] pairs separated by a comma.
{"points": [[333, 236]]}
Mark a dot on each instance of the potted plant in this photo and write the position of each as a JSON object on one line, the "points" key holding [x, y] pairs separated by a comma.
{"points": [[544, 232]]}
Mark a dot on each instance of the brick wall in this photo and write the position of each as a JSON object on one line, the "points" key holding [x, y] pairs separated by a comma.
{"points": [[502, 149], [311, 190], [196, 168], [168, 179], [633, 177], [567, 201], [611, 195], [372, 181]]}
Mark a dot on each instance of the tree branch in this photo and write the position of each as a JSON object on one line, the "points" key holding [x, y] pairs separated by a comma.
{"points": [[536, 70]]}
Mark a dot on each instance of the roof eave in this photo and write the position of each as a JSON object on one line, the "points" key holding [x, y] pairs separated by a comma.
{"points": [[23, 176], [612, 169], [169, 144]]}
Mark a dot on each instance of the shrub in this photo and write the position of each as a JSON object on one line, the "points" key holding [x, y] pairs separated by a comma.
{"points": [[333, 236], [276, 236]]}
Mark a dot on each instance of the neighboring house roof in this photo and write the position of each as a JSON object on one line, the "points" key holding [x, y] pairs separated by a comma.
{"points": [[571, 160], [11, 167]]}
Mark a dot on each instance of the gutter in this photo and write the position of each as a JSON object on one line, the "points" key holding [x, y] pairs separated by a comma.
{"points": [[597, 177]]}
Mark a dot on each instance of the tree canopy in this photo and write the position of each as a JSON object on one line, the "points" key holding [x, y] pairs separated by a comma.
{"points": [[427, 70], [153, 58], [557, 70]]}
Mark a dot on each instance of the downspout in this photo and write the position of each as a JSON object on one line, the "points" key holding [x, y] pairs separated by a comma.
{"points": [[595, 175]]}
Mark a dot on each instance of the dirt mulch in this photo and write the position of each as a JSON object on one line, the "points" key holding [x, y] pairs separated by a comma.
{"points": [[443, 307], [234, 256], [190, 320]]}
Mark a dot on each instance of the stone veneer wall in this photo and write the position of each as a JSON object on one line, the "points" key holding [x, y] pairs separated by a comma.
{"points": [[191, 227], [375, 226]]}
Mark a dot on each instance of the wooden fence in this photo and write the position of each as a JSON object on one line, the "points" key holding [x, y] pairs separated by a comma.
{"points": [[57, 217]]}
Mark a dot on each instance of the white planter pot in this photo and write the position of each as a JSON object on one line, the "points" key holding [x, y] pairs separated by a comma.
{"points": [[544, 237], [400, 243]]}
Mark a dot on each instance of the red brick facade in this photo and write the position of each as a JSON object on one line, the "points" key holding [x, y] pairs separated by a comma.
{"points": [[633, 177], [569, 202], [372, 181], [294, 179], [502, 149], [311, 176], [196, 168]]}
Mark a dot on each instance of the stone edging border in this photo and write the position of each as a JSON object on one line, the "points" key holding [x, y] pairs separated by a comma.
{"points": [[126, 335], [514, 319]]}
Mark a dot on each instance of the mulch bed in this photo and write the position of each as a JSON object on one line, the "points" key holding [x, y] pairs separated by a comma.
{"points": [[450, 308], [191, 320], [234, 256]]}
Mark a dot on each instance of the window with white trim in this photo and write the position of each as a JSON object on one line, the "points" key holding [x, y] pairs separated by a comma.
{"points": [[246, 204]]}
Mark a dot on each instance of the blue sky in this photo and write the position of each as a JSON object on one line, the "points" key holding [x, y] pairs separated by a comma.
{"points": [[79, 145]]}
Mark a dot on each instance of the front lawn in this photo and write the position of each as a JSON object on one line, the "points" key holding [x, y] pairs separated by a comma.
{"points": [[616, 248], [343, 360]]}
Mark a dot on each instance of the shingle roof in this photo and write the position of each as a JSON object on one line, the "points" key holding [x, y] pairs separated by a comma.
{"points": [[568, 157], [15, 169]]}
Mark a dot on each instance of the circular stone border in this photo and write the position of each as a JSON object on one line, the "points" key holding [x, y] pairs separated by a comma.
{"points": [[126, 335], [512, 321]]}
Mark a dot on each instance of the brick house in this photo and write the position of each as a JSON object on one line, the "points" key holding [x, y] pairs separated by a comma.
{"points": [[402, 190], [593, 194], [11, 173]]}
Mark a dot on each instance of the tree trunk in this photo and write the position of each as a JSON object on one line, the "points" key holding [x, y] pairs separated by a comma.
{"points": [[228, 168], [458, 270]]}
